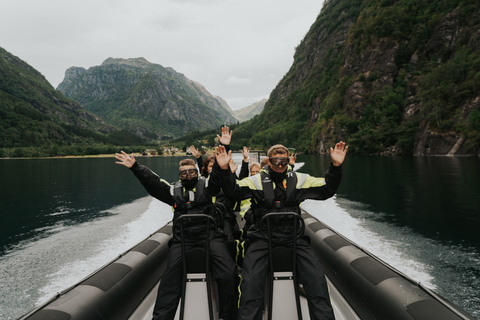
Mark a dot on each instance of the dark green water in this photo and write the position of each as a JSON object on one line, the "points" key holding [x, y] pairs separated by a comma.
{"points": [[38, 194], [426, 208], [438, 197]]}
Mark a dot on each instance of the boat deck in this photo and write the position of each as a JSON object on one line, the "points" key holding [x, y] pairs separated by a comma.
{"points": [[341, 307]]}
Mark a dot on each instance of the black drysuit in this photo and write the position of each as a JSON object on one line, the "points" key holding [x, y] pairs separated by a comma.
{"points": [[222, 265], [283, 194]]}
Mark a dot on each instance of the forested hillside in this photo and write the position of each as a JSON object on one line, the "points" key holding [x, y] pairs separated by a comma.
{"points": [[36, 120], [387, 76], [145, 98]]}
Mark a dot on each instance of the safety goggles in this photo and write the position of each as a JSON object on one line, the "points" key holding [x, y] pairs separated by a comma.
{"points": [[188, 173], [278, 161]]}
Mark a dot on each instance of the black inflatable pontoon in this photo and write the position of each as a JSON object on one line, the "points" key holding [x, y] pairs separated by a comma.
{"points": [[361, 285]]}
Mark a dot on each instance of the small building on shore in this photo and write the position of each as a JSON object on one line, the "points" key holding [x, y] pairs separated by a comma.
{"points": [[150, 152]]}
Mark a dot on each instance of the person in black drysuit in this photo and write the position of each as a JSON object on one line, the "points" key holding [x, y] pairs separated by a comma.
{"points": [[191, 195], [230, 225], [276, 190]]}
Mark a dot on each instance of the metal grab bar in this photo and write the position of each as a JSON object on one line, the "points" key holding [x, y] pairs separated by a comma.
{"points": [[297, 218], [208, 237]]}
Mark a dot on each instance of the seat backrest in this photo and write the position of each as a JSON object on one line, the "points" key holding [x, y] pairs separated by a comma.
{"points": [[195, 259], [282, 259]]}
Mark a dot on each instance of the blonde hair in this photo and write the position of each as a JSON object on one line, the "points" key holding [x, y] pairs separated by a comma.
{"points": [[254, 164]]}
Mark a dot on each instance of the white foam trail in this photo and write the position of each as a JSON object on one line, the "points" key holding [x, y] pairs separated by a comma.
{"points": [[391, 250], [156, 215]]}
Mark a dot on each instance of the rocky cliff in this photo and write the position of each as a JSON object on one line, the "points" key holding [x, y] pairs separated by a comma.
{"points": [[389, 77], [251, 111], [145, 98]]}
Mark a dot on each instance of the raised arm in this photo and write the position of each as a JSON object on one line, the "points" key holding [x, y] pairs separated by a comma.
{"points": [[245, 153], [230, 185], [156, 187], [324, 188]]}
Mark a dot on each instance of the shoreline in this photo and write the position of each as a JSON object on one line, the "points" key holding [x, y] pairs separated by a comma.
{"points": [[107, 155]]}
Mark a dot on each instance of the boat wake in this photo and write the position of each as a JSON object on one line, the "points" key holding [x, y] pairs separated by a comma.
{"points": [[34, 271], [108, 249], [450, 270], [391, 245]]}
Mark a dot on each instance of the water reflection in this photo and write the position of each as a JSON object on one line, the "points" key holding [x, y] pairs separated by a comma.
{"points": [[437, 197]]}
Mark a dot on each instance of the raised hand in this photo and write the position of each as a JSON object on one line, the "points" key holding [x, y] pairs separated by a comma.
{"points": [[226, 136], [125, 159], [292, 159], [338, 154], [245, 153], [194, 151], [233, 166], [223, 158]]}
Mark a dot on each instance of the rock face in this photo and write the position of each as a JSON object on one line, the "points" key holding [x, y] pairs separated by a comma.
{"points": [[387, 77], [251, 111], [145, 98]]}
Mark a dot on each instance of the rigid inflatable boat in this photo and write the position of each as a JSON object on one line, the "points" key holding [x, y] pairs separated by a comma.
{"points": [[361, 287]]}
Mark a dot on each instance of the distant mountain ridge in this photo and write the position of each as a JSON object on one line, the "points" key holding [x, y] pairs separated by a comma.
{"points": [[251, 111], [145, 98]]}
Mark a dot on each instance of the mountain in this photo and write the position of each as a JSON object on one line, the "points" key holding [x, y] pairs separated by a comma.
{"points": [[387, 76], [145, 98], [37, 120], [251, 111]]}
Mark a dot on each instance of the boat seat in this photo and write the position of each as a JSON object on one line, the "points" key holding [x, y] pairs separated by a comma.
{"points": [[283, 294], [197, 301], [282, 298]]}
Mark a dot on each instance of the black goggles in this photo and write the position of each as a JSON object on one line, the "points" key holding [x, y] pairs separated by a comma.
{"points": [[188, 173], [278, 161]]}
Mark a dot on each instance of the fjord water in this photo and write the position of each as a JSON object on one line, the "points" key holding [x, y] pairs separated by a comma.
{"points": [[61, 219]]}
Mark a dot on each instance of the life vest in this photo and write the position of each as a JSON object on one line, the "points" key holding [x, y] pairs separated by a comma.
{"points": [[196, 199], [267, 202], [269, 194]]}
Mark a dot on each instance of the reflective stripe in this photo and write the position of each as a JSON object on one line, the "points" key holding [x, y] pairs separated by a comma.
{"points": [[165, 181], [245, 205], [239, 290], [305, 181], [301, 179], [252, 182], [191, 195], [256, 181], [314, 182], [237, 249]]}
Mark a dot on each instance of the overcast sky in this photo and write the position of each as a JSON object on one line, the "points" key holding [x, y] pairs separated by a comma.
{"points": [[238, 49]]}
